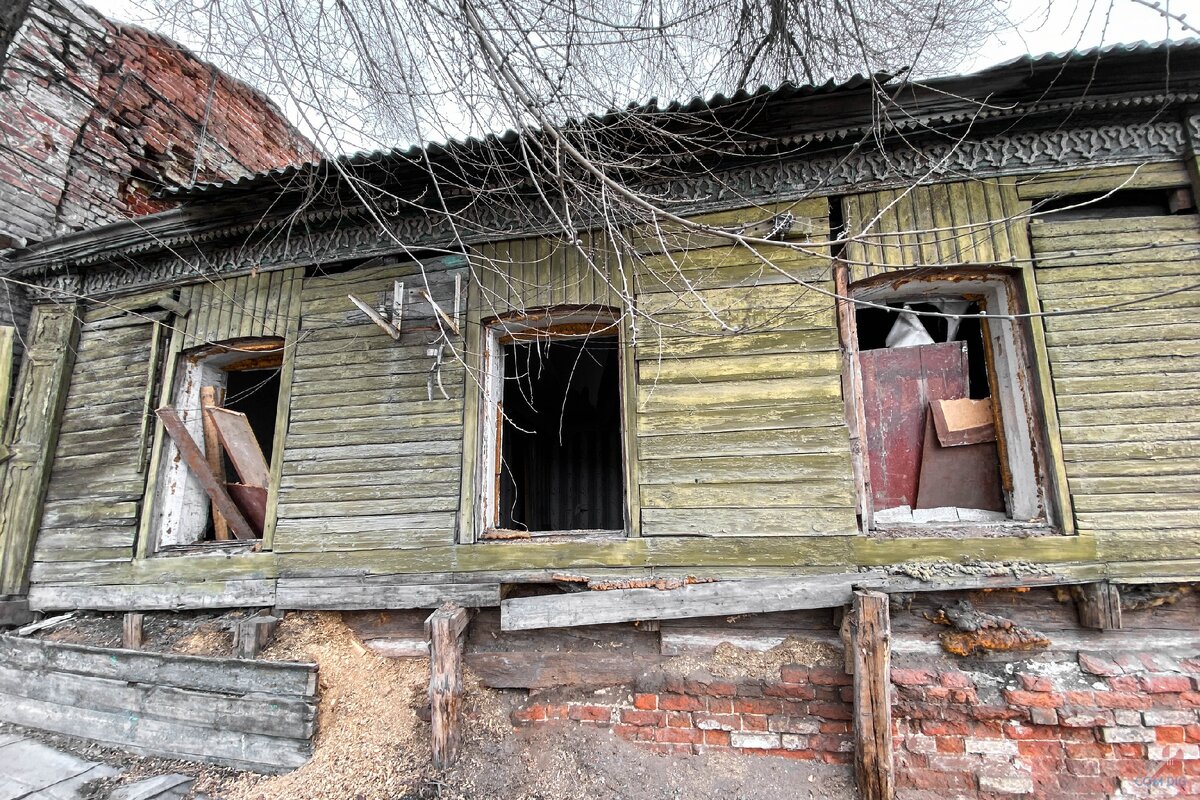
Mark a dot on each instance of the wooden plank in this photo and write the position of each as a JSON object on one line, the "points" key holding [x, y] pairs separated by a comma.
{"points": [[7, 343], [871, 638], [212, 454], [697, 600], [241, 446], [200, 673], [133, 630], [445, 628], [349, 593], [213, 486], [31, 436], [150, 596]]}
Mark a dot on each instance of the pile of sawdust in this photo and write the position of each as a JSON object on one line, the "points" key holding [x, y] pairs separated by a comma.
{"points": [[731, 661], [211, 639], [369, 743]]}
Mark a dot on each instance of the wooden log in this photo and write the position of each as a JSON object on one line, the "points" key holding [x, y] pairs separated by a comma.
{"points": [[133, 631], [445, 628], [1098, 605], [212, 484], [253, 634], [238, 437], [212, 453], [871, 636], [698, 600]]}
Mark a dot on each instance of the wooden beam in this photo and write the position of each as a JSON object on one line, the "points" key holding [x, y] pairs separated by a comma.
{"points": [[1098, 605], [194, 459], [212, 453], [238, 437], [445, 628], [871, 635], [133, 631], [695, 600], [7, 342], [31, 435]]}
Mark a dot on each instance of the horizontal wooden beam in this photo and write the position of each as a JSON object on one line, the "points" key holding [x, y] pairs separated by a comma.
{"points": [[695, 600]]}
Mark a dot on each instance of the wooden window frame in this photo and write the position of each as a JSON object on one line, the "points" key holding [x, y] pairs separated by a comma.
{"points": [[563, 324], [188, 372], [1021, 429]]}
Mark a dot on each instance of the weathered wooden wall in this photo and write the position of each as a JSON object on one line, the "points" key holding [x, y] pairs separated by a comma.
{"points": [[743, 455], [255, 715], [741, 434]]}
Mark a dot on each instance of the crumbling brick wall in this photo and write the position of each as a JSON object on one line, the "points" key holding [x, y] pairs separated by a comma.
{"points": [[96, 117]]}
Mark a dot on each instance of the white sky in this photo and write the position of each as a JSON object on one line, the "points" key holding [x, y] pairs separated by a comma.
{"points": [[1042, 26]]}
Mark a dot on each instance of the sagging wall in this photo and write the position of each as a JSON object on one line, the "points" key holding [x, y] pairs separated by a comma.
{"points": [[376, 477]]}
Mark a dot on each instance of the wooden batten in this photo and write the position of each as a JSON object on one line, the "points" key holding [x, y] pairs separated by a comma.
{"points": [[133, 631], [871, 640]]}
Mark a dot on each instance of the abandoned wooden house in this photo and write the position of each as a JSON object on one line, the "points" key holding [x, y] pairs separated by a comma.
{"points": [[922, 384]]}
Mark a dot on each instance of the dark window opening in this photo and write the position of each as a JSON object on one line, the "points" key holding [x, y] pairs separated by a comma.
{"points": [[561, 467], [1117, 205], [255, 393]]}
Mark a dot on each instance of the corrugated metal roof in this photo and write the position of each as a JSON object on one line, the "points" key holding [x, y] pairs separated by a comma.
{"points": [[783, 92]]}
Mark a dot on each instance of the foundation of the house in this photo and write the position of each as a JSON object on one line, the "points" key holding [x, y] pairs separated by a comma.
{"points": [[1040, 706]]}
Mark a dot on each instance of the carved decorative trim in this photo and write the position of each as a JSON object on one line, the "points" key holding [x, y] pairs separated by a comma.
{"points": [[775, 180]]}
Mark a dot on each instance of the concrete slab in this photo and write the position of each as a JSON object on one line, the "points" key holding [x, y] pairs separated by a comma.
{"points": [[160, 787], [34, 771]]}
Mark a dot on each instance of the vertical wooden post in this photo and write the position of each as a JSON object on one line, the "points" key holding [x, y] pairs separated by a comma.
{"points": [[1098, 605], [133, 631], [253, 634], [444, 629], [7, 341], [872, 633], [210, 397], [31, 436]]}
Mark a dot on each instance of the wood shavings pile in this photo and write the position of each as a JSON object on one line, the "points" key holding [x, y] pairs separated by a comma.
{"points": [[369, 743]]}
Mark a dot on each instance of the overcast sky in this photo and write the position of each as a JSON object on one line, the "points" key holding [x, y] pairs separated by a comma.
{"points": [[1042, 26]]}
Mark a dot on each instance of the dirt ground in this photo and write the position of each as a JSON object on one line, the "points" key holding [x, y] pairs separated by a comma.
{"points": [[194, 633], [371, 744]]}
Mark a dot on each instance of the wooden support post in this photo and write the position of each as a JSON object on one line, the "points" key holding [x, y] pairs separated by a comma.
{"points": [[133, 631], [14, 613], [445, 628], [1098, 605], [871, 634], [253, 634]]}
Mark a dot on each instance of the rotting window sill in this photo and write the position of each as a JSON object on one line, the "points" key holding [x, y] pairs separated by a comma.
{"points": [[501, 535], [231, 547], [1011, 529]]}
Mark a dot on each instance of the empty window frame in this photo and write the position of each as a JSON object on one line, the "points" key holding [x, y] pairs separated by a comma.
{"points": [[551, 451], [950, 430], [241, 376]]}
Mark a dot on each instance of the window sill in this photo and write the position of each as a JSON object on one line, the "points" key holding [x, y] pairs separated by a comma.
{"points": [[964, 530], [493, 535], [209, 548]]}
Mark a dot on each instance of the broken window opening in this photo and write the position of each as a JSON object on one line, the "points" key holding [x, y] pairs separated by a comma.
{"points": [[227, 400], [553, 426], [1118, 204], [950, 426]]}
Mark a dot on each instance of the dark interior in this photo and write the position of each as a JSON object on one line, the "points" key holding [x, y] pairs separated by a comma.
{"points": [[874, 324], [561, 441], [1110, 205]]}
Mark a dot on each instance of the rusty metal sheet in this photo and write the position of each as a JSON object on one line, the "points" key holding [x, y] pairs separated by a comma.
{"points": [[966, 476], [898, 385]]}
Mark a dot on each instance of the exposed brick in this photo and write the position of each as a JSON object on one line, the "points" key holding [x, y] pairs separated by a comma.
{"points": [[679, 735], [679, 719], [991, 746], [1115, 735], [756, 705], [1168, 734], [1014, 784], [717, 722], [788, 724], [913, 677], [1169, 717], [1019, 697], [755, 741], [1036, 683], [1043, 716], [829, 676], [791, 673], [680, 702], [646, 702], [719, 738], [1165, 683], [632, 716], [1099, 665], [955, 680], [1171, 752], [591, 713]]}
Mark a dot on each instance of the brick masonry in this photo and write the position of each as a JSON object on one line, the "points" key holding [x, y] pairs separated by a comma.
{"points": [[1066, 725]]}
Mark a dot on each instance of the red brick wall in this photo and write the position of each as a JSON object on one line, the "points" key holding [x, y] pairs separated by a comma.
{"points": [[1085, 726], [1063, 725], [804, 713]]}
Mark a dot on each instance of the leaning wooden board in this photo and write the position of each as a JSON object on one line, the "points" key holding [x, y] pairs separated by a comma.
{"points": [[255, 715]]}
